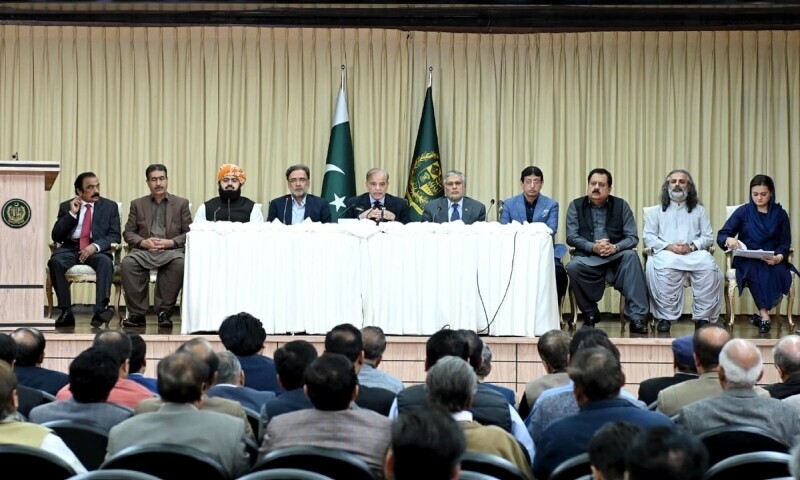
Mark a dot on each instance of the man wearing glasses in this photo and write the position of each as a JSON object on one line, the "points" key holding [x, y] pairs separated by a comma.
{"points": [[454, 205]]}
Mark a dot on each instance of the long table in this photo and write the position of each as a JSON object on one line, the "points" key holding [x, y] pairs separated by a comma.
{"points": [[407, 279]]}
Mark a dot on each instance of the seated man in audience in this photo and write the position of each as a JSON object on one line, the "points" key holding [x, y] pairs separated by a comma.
{"points": [[85, 228], [30, 356], [376, 204], [603, 231], [682, 362], [230, 384], [786, 354], [374, 347], [553, 348], [230, 205], [666, 453], [451, 384], [532, 206], [27, 397], [291, 361], [345, 339], [138, 363], [13, 431], [454, 205], [202, 349], [332, 386], [608, 449], [598, 379], [298, 205], [125, 392], [680, 234], [156, 234], [92, 376], [244, 336], [740, 367], [180, 421], [426, 443], [485, 369]]}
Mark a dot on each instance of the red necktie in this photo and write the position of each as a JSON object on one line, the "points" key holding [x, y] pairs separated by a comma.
{"points": [[86, 228]]}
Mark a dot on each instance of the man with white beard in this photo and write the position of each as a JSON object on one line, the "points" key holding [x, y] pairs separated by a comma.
{"points": [[679, 234]]}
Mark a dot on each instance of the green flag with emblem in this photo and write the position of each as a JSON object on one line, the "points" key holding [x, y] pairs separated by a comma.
{"points": [[425, 174], [339, 181]]}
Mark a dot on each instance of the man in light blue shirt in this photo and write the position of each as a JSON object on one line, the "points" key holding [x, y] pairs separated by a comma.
{"points": [[374, 346]]}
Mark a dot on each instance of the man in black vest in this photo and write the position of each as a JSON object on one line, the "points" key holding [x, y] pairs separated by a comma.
{"points": [[603, 231], [230, 205]]}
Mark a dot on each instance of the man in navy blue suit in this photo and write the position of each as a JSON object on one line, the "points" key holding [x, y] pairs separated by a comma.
{"points": [[86, 227], [376, 204], [298, 205]]}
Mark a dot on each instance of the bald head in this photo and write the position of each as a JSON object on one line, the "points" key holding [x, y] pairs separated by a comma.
{"points": [[740, 364], [787, 356], [707, 344]]}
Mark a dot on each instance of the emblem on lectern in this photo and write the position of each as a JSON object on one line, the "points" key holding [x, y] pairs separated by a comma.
{"points": [[16, 213]]}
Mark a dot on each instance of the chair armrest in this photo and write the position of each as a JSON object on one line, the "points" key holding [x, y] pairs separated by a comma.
{"points": [[790, 257], [729, 260]]}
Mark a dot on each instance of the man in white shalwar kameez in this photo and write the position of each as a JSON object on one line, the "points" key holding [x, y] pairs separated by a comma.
{"points": [[680, 233]]}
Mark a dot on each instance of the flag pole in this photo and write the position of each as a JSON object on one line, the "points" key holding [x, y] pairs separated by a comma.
{"points": [[343, 85], [430, 76]]}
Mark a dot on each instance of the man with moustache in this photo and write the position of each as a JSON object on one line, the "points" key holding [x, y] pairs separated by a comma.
{"points": [[376, 204], [85, 228], [298, 205], [156, 232], [230, 205], [680, 234], [454, 205], [603, 231]]}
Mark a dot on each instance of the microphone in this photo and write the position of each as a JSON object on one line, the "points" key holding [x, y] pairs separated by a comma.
{"points": [[215, 212], [491, 204], [357, 209], [229, 209], [285, 206], [438, 209], [501, 205]]}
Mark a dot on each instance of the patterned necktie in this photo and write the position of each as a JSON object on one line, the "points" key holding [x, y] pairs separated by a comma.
{"points": [[455, 216], [86, 228]]}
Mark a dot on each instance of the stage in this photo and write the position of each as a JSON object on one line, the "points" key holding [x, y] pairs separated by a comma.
{"points": [[515, 359]]}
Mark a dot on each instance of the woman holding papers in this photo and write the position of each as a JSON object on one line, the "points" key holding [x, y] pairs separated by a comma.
{"points": [[760, 224]]}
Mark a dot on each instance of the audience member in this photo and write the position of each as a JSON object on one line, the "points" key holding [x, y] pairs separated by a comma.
{"points": [[426, 443], [374, 347], [138, 363], [332, 386], [345, 339], [244, 336], [485, 369], [666, 453], [291, 361], [30, 355], [230, 384], [786, 354], [740, 367], [553, 348], [27, 397], [13, 431], [180, 421], [682, 363], [451, 384], [608, 449], [598, 378], [92, 376], [125, 392], [229, 205]]}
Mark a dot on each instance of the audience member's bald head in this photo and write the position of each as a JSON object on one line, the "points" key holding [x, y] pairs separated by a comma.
{"points": [[740, 364], [202, 349], [30, 346], [787, 356], [707, 343]]}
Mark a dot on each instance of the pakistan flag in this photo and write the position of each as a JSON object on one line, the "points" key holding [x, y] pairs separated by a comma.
{"points": [[425, 174], [339, 181]]}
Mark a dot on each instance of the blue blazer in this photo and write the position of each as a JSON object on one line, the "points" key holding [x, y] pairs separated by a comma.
{"points": [[50, 381], [546, 211], [247, 397], [317, 209], [259, 373]]}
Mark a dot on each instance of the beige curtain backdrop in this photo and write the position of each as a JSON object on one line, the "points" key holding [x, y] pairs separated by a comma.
{"points": [[724, 105]]}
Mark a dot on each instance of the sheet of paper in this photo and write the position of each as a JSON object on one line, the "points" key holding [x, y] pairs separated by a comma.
{"points": [[752, 253]]}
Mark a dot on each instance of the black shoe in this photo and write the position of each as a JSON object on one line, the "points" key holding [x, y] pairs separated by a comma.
{"points": [[700, 324], [764, 327], [664, 326], [102, 317], [66, 319], [591, 319], [164, 320], [638, 326], [755, 320], [134, 320]]}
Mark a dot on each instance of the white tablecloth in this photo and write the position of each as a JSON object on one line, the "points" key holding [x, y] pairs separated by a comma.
{"points": [[408, 279]]}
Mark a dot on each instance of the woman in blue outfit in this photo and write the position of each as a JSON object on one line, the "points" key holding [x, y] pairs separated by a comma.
{"points": [[760, 224]]}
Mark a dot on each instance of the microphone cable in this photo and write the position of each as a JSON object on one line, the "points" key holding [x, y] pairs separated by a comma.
{"points": [[489, 323]]}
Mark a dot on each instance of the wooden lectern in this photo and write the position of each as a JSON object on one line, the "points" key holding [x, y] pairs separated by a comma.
{"points": [[23, 232]]}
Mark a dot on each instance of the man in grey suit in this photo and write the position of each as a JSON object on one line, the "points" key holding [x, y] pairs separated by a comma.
{"points": [[181, 377], [230, 384], [740, 367], [454, 205]]}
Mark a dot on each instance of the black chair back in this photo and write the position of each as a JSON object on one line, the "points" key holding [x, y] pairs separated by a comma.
{"points": [[465, 475], [285, 474], [87, 442], [491, 465], [725, 442], [36, 462], [326, 461], [167, 461], [572, 468], [114, 475], [752, 466], [254, 418]]}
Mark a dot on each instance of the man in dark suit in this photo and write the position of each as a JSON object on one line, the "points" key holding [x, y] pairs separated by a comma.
{"points": [[291, 361], [682, 361], [454, 205], [376, 204], [156, 233], [787, 361], [30, 355], [229, 384], [28, 397], [298, 205], [86, 227]]}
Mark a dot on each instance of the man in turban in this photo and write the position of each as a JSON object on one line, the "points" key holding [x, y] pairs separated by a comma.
{"points": [[230, 205]]}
